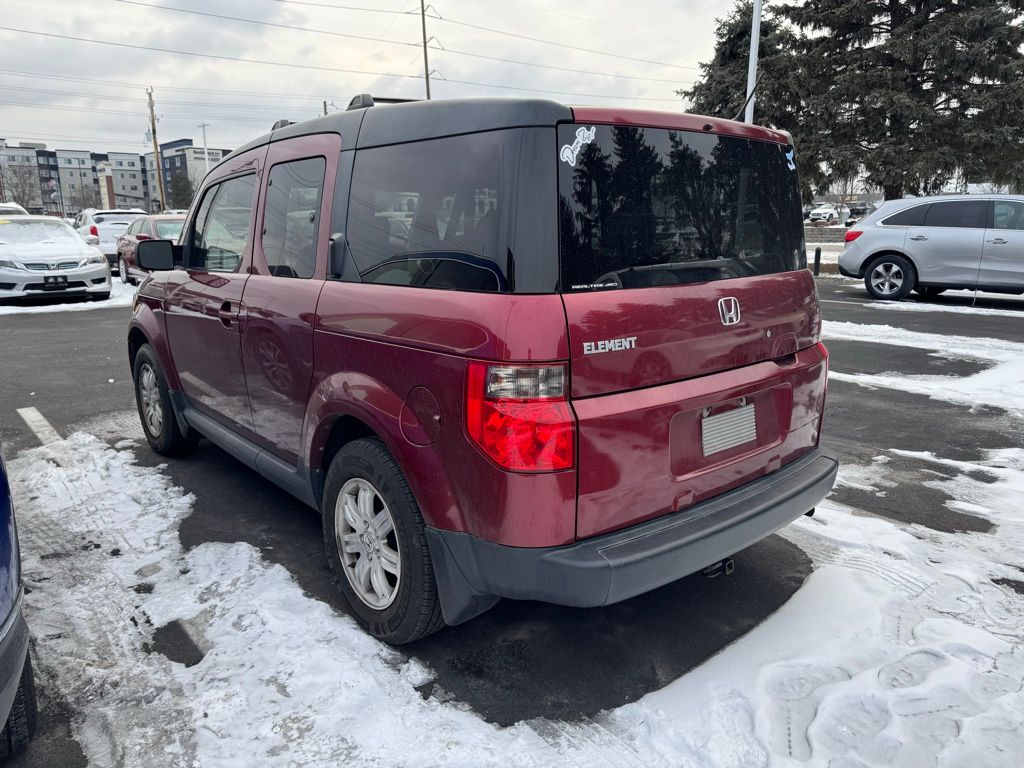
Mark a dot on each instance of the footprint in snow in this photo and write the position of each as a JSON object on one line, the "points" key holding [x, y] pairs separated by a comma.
{"points": [[911, 670], [793, 692], [854, 724]]}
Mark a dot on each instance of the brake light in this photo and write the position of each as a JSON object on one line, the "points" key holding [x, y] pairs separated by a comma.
{"points": [[93, 231], [852, 234], [519, 416]]}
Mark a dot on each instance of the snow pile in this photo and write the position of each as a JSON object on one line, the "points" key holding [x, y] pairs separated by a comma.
{"points": [[998, 385], [120, 296], [907, 306]]}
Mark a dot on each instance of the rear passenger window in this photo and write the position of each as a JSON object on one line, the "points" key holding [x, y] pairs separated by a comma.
{"points": [[222, 226], [912, 217], [1008, 215], [436, 214], [291, 217], [966, 214]]}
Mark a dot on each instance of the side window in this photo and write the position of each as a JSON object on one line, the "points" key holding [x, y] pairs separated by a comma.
{"points": [[1008, 215], [222, 226], [292, 215], [437, 213], [911, 217], [966, 214], [133, 228]]}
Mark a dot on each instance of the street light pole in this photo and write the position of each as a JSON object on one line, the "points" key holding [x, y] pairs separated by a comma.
{"points": [[755, 39], [206, 152]]}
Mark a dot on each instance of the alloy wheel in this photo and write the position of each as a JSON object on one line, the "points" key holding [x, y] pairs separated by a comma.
{"points": [[149, 394], [368, 544], [122, 269], [887, 278]]}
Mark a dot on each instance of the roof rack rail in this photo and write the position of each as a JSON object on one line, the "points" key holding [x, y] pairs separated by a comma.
{"points": [[282, 124], [364, 100]]}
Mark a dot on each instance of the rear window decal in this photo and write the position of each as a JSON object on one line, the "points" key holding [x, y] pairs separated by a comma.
{"points": [[789, 158], [570, 151]]}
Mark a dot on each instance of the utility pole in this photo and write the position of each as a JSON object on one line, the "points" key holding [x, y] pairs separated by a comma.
{"points": [[426, 64], [156, 151], [755, 39], [206, 152]]}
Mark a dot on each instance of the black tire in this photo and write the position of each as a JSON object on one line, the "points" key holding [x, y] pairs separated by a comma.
{"points": [[100, 296], [20, 727], [928, 291], [901, 281], [168, 440], [415, 610], [122, 270]]}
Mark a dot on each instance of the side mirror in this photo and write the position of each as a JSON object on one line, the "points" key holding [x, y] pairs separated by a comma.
{"points": [[336, 261], [155, 255]]}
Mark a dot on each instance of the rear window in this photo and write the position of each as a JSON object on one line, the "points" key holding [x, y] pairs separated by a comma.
{"points": [[644, 207]]}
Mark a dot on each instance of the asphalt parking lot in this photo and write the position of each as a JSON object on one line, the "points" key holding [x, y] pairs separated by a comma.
{"points": [[524, 661]]}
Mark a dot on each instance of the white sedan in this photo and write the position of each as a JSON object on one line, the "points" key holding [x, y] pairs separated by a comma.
{"points": [[43, 256]]}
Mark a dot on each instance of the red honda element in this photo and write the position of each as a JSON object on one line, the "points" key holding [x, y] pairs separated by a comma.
{"points": [[508, 348]]}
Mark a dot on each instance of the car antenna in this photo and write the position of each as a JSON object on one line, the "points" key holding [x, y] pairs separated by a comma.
{"points": [[750, 95]]}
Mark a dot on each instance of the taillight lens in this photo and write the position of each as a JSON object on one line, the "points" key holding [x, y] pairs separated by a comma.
{"points": [[852, 234], [519, 416], [93, 231]]}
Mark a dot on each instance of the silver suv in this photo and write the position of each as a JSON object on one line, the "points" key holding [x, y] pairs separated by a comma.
{"points": [[930, 244]]}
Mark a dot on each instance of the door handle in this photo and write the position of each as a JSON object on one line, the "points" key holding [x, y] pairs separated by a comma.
{"points": [[225, 314], [998, 241], [919, 237]]}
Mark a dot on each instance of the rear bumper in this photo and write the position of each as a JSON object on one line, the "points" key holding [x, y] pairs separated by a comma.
{"points": [[846, 272], [472, 573]]}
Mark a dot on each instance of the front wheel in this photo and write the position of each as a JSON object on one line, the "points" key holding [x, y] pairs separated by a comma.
{"points": [[890, 277], [376, 545], [155, 410]]}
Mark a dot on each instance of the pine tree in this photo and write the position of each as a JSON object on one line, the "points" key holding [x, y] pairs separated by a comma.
{"points": [[180, 190], [917, 93]]}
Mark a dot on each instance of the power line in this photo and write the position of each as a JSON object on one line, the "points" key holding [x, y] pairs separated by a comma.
{"points": [[341, 7], [591, 20], [267, 23], [453, 51], [559, 93], [150, 49], [173, 116]]}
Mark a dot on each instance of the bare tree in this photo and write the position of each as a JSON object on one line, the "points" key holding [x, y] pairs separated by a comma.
{"points": [[21, 184]]}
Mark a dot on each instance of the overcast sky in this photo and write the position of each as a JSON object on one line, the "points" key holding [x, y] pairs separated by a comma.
{"points": [[72, 94]]}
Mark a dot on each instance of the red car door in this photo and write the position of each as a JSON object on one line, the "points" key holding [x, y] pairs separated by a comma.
{"points": [[204, 301], [290, 254]]}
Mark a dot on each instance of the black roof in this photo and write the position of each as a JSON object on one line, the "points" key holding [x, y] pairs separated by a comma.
{"points": [[412, 121]]}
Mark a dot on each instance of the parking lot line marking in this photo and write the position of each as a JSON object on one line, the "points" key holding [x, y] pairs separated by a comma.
{"points": [[837, 301], [39, 426]]}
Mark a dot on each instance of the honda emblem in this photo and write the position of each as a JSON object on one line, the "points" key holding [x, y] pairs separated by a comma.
{"points": [[729, 310]]}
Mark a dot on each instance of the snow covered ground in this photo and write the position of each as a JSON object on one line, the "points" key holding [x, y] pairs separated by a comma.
{"points": [[905, 647], [120, 296]]}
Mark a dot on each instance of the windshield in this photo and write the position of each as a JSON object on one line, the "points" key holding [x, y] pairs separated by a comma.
{"points": [[642, 207], [35, 231], [169, 230]]}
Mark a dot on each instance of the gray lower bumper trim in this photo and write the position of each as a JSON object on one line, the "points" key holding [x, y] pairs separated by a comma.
{"points": [[473, 573]]}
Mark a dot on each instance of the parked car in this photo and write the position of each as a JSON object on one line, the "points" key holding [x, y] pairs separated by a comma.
{"points": [[17, 688], [932, 244], [524, 393], [12, 209], [829, 213], [107, 225], [164, 227], [43, 256], [174, 212]]}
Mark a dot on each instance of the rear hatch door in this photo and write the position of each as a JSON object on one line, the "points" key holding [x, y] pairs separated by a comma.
{"points": [[691, 314]]}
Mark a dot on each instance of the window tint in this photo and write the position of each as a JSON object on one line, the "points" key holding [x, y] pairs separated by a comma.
{"points": [[911, 217], [960, 213], [642, 207], [1008, 215], [222, 226], [436, 214], [292, 215]]}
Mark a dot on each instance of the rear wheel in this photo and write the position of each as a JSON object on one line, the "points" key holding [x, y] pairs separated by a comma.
{"points": [[21, 723], [376, 545], [927, 291], [155, 410], [890, 277], [122, 270]]}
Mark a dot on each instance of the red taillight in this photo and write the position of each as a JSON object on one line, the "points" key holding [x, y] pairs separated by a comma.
{"points": [[852, 234], [519, 416], [93, 231]]}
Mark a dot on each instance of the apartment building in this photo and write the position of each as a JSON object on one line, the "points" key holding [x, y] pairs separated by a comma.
{"points": [[180, 156]]}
